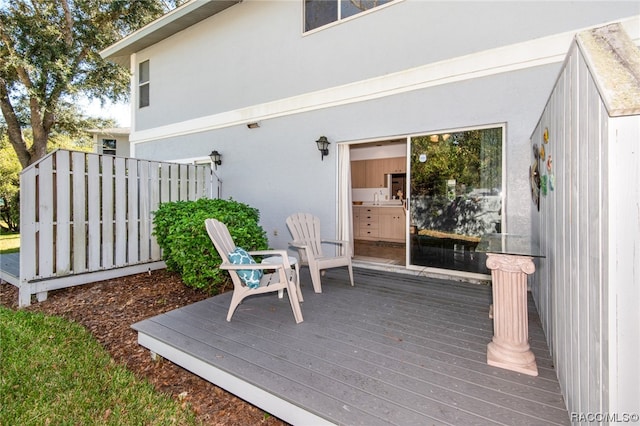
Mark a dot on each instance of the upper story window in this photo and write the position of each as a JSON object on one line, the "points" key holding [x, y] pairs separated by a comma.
{"points": [[109, 146], [143, 84], [318, 13]]}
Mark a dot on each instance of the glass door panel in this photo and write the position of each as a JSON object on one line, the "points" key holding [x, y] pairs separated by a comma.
{"points": [[455, 197]]}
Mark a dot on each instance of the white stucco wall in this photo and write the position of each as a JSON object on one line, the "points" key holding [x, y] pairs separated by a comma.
{"points": [[122, 142], [251, 62], [255, 51], [277, 166]]}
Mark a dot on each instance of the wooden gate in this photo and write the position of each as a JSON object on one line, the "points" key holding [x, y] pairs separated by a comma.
{"points": [[87, 217]]}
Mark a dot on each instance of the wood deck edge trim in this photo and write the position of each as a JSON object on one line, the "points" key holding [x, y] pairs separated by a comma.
{"points": [[11, 279], [275, 406], [64, 281]]}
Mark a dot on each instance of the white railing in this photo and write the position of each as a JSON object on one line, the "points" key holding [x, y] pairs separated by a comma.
{"points": [[86, 217]]}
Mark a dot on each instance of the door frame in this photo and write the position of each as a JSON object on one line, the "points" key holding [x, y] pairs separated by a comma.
{"points": [[344, 191]]}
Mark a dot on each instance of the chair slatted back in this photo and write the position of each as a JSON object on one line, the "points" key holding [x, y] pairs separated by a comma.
{"points": [[220, 237], [305, 228]]}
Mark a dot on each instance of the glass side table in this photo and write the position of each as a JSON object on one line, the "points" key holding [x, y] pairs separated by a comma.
{"points": [[510, 259]]}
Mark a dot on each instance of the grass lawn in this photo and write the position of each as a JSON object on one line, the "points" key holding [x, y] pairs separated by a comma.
{"points": [[54, 372], [9, 242]]}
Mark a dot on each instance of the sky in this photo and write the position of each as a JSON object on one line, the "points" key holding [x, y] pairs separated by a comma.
{"points": [[121, 113]]}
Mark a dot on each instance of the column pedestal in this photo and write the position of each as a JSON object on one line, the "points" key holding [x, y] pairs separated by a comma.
{"points": [[510, 348]]}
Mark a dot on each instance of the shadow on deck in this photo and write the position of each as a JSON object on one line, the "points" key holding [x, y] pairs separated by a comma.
{"points": [[394, 349]]}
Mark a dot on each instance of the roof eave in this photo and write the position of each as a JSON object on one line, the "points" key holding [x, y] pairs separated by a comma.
{"points": [[173, 22], [114, 131]]}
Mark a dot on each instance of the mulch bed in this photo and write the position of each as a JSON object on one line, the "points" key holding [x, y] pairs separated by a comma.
{"points": [[108, 309]]}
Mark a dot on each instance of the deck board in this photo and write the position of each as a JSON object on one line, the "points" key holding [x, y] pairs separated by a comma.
{"points": [[394, 349], [10, 268]]}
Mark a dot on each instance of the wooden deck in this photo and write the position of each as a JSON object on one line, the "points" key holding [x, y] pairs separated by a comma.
{"points": [[10, 268], [394, 349]]}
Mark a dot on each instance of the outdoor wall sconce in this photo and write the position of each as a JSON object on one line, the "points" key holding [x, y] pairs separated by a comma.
{"points": [[216, 158], [439, 138], [323, 146], [253, 125]]}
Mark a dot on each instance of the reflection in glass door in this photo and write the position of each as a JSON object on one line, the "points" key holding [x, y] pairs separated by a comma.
{"points": [[455, 197]]}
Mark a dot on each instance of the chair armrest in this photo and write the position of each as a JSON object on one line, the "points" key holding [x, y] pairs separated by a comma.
{"points": [[237, 266], [334, 241], [268, 253], [343, 245], [298, 244], [271, 253]]}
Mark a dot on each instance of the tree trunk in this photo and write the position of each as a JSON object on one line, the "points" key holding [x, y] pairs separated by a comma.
{"points": [[38, 149], [40, 126]]}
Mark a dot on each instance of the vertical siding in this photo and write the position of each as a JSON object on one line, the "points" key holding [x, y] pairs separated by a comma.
{"points": [[174, 178], [154, 202], [85, 212], [63, 212], [582, 226], [79, 196], [145, 212], [623, 269], [93, 211], [121, 204], [44, 216], [605, 303], [28, 205], [165, 181], [108, 202], [592, 331], [132, 215]]}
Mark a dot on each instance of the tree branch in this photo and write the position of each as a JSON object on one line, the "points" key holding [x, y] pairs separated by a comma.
{"points": [[68, 29], [20, 71]]}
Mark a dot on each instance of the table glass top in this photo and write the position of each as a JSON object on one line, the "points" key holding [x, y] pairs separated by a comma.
{"points": [[520, 245]]}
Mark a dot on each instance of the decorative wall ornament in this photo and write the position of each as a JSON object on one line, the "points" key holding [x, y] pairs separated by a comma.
{"points": [[534, 179], [534, 176], [550, 179]]}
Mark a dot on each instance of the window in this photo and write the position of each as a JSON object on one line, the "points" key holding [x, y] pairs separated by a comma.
{"points": [[109, 146], [318, 13], [455, 196], [143, 84]]}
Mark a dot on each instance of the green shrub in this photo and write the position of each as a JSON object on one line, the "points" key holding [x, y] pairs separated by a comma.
{"points": [[187, 249]]}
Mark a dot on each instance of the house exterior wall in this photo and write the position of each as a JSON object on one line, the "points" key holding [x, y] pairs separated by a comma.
{"points": [[122, 144], [255, 52], [277, 166], [251, 62]]}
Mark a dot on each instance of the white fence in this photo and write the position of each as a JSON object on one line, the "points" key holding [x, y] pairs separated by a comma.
{"points": [[586, 288], [86, 217]]}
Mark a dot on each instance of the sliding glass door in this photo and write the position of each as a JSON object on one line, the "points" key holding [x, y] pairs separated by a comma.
{"points": [[455, 196]]}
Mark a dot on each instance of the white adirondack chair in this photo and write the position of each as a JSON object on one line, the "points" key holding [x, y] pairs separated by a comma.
{"points": [[283, 277], [305, 229]]}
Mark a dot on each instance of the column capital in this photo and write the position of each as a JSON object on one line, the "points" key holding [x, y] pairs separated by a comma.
{"points": [[510, 263]]}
